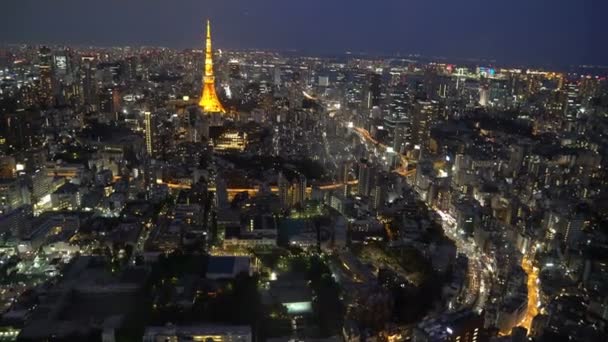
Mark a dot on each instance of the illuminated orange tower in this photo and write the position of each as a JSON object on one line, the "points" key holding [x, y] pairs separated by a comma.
{"points": [[209, 101]]}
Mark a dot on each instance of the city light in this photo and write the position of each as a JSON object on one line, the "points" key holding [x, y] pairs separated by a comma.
{"points": [[242, 192], [533, 293]]}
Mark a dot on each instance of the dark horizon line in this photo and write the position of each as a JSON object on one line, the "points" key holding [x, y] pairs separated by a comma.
{"points": [[355, 53]]}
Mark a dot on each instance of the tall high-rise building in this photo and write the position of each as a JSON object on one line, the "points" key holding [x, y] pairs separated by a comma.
{"points": [[572, 99], [149, 126], [61, 63], [344, 175], [484, 95], [374, 94], [399, 119], [87, 74], [366, 176], [379, 190], [132, 64], [299, 195], [292, 192], [277, 76], [209, 101], [425, 113], [45, 67], [110, 100], [283, 190]]}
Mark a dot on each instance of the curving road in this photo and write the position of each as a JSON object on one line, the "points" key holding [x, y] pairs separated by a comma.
{"points": [[480, 269]]}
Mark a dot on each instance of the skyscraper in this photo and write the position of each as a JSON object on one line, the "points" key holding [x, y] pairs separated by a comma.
{"points": [[149, 133], [379, 190], [375, 91], [424, 116], [344, 175], [299, 190], [399, 118], [45, 67], [110, 101], [283, 191], [572, 99], [209, 101], [366, 176], [277, 76], [291, 192], [484, 95], [89, 86]]}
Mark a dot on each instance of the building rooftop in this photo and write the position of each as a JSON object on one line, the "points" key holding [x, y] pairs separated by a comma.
{"points": [[223, 267], [67, 188], [438, 328]]}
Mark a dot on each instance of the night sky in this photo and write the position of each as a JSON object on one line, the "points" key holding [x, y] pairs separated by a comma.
{"points": [[548, 32]]}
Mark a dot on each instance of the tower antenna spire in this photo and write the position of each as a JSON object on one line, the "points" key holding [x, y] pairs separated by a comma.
{"points": [[209, 101]]}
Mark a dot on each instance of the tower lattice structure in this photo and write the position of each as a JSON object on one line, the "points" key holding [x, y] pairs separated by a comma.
{"points": [[209, 101]]}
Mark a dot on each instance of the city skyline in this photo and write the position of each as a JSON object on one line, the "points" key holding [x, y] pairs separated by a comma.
{"points": [[558, 33], [227, 194]]}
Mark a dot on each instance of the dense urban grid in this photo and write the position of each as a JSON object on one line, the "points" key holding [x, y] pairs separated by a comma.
{"points": [[210, 195]]}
